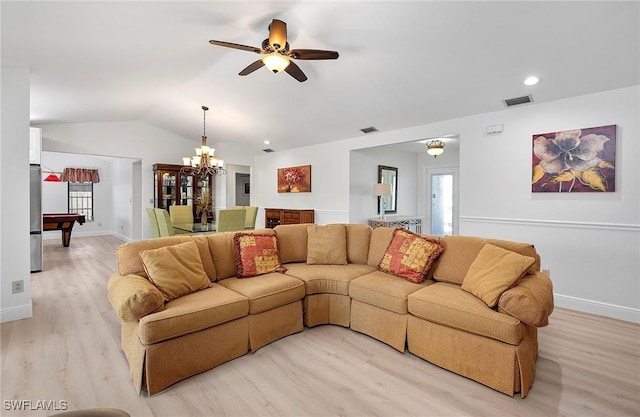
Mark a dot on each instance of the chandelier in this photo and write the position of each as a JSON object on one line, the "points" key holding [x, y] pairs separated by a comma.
{"points": [[203, 163], [435, 147]]}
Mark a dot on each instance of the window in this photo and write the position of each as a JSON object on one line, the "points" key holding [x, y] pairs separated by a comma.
{"points": [[81, 199]]}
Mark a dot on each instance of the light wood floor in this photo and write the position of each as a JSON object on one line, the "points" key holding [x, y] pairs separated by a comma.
{"points": [[69, 351]]}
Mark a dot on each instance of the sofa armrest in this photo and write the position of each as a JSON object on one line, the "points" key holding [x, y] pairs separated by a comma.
{"points": [[133, 296], [531, 301]]}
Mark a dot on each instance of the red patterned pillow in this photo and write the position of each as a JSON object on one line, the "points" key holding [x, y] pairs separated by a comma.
{"points": [[410, 255], [257, 254]]}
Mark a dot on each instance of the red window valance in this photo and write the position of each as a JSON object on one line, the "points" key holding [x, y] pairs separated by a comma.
{"points": [[80, 175]]}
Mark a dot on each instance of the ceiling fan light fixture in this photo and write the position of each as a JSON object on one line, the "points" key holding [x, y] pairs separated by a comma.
{"points": [[275, 61], [435, 147]]}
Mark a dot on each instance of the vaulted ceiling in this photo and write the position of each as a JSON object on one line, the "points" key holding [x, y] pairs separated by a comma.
{"points": [[401, 63]]}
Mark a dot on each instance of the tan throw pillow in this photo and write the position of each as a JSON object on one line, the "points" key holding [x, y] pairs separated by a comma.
{"points": [[493, 272], [327, 245], [176, 270], [257, 254], [410, 255]]}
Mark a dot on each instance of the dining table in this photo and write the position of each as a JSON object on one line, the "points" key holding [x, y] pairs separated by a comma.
{"points": [[196, 227]]}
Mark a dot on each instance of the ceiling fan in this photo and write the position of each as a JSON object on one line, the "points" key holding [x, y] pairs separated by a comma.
{"points": [[276, 53]]}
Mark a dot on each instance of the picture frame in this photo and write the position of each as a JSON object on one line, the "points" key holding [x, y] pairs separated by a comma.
{"points": [[577, 160], [294, 179], [246, 188]]}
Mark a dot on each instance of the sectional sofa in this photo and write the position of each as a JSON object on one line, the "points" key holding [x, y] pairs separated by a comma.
{"points": [[467, 304]]}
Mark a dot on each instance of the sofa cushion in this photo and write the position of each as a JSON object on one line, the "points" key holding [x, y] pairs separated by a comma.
{"points": [[460, 252], [449, 305], [327, 245], [129, 261], [531, 301], [380, 239], [358, 238], [410, 256], [494, 271], [176, 270], [332, 279], [384, 290], [257, 254], [292, 239], [268, 291], [193, 312]]}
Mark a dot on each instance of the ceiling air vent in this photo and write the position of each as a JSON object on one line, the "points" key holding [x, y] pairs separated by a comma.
{"points": [[510, 102], [268, 150], [368, 129]]}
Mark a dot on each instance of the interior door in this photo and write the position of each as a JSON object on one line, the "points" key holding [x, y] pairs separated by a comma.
{"points": [[442, 204]]}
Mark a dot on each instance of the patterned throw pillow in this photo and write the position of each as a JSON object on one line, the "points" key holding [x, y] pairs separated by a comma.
{"points": [[257, 254], [410, 256]]}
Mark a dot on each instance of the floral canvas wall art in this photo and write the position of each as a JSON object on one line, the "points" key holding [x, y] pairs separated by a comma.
{"points": [[579, 160], [294, 179]]}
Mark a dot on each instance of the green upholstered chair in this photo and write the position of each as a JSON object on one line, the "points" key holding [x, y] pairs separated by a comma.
{"points": [[251, 214], [153, 221], [164, 222], [181, 214], [231, 220]]}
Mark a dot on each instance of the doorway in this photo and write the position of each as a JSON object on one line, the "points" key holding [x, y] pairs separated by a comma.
{"points": [[442, 200], [243, 189]]}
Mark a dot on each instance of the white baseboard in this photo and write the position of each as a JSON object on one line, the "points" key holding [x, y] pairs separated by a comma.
{"points": [[597, 307], [16, 313]]}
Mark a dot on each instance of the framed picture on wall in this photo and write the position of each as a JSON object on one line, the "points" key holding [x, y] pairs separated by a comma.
{"points": [[294, 179], [578, 160], [246, 188]]}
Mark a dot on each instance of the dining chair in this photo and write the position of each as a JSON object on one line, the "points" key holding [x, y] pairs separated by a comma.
{"points": [[151, 214], [231, 220], [181, 214], [164, 222], [251, 214]]}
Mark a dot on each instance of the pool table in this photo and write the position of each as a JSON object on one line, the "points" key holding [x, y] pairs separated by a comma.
{"points": [[62, 221]]}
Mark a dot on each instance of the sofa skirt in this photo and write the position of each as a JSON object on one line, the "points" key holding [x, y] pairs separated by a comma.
{"points": [[327, 309], [386, 326], [271, 325], [155, 367], [504, 367]]}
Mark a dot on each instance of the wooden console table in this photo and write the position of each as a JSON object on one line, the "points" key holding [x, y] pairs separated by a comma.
{"points": [[276, 216], [406, 222]]}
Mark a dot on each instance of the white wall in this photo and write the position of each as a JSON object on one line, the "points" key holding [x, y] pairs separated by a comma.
{"points": [[14, 195], [589, 241]]}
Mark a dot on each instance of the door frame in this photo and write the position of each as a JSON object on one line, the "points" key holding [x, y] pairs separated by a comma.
{"points": [[442, 170]]}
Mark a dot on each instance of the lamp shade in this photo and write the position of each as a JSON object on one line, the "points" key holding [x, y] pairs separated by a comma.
{"points": [[275, 62], [52, 178], [435, 147], [382, 189]]}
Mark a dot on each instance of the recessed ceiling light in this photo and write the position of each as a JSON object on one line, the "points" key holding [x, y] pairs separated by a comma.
{"points": [[533, 80], [266, 142]]}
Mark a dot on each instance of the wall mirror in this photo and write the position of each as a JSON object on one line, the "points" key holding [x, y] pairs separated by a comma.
{"points": [[389, 175]]}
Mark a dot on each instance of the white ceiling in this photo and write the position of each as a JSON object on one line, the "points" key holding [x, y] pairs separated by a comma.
{"points": [[401, 63]]}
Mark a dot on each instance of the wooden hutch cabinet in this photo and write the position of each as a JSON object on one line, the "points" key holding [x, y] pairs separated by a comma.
{"points": [[276, 216], [172, 187]]}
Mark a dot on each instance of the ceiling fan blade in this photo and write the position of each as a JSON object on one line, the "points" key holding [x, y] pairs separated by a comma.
{"points": [[277, 34], [252, 67], [313, 54], [295, 71], [236, 46]]}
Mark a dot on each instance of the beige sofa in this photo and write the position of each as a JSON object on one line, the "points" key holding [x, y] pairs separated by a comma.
{"points": [[329, 281]]}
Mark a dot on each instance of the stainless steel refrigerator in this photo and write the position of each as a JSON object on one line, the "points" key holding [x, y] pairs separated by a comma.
{"points": [[35, 229]]}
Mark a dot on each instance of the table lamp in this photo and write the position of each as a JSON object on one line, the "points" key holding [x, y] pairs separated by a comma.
{"points": [[381, 190]]}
